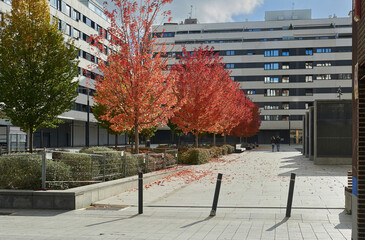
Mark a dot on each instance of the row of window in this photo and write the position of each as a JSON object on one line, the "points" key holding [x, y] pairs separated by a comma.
{"points": [[295, 91], [239, 40], [89, 74], [282, 117], [245, 29], [292, 78], [284, 105], [267, 52]]}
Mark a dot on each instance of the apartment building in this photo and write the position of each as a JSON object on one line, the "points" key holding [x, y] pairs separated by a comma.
{"points": [[282, 64], [78, 19]]}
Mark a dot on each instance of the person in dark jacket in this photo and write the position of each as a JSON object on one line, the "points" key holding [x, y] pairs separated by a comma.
{"points": [[273, 141], [278, 139]]}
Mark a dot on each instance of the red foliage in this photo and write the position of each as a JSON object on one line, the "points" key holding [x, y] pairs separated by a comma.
{"points": [[135, 87]]}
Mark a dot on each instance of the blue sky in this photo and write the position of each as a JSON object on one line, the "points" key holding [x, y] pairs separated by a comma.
{"points": [[212, 11]]}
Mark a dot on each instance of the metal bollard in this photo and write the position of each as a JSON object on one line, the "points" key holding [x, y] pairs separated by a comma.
{"points": [[140, 193], [290, 196], [216, 195]]}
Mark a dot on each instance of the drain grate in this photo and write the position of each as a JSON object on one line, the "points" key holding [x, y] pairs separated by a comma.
{"points": [[107, 207]]}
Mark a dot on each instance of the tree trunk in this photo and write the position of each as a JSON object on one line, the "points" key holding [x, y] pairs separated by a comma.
{"points": [[172, 138], [179, 141], [213, 139], [31, 134], [136, 138], [196, 140], [225, 139], [116, 141], [240, 140]]}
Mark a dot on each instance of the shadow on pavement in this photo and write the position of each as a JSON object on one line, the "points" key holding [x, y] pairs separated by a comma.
{"points": [[115, 220], [278, 224], [197, 222], [32, 212], [302, 166]]}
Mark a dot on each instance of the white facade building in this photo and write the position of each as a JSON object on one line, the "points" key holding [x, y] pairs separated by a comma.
{"points": [[283, 63], [78, 19]]}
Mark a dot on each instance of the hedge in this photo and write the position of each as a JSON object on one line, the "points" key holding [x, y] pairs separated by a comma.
{"points": [[24, 171], [195, 156]]}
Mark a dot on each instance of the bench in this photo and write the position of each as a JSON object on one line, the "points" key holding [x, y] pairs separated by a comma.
{"points": [[239, 149]]}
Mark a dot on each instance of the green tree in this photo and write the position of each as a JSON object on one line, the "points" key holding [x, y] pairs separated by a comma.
{"points": [[100, 110], [37, 67]]}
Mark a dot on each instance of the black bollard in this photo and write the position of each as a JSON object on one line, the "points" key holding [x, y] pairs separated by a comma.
{"points": [[140, 193], [216, 195], [290, 196]]}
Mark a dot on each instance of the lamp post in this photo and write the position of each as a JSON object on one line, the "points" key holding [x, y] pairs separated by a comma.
{"points": [[87, 132]]}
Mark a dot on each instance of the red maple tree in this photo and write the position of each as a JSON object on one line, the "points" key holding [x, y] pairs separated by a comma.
{"points": [[200, 87], [135, 87]]}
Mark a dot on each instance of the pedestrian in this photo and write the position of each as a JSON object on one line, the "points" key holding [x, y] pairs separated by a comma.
{"points": [[278, 139], [273, 141]]}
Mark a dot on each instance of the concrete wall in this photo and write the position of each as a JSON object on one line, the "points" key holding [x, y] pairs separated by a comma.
{"points": [[74, 198]]}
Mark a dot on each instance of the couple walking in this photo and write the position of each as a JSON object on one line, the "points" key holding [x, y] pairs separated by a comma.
{"points": [[275, 141]]}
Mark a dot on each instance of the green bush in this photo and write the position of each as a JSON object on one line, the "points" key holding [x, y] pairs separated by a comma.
{"points": [[195, 156], [84, 167], [224, 150], [24, 171], [91, 150], [215, 152], [230, 148]]}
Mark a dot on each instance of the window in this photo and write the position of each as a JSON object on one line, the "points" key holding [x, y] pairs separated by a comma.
{"points": [[268, 107], [285, 106], [230, 65], [285, 92], [324, 64], [271, 66], [309, 51], [309, 92], [232, 78], [53, 3], [272, 92], [66, 9], [308, 78], [271, 79], [271, 53], [285, 118], [324, 50], [230, 53], [324, 77], [285, 52], [285, 79], [85, 37], [309, 65], [251, 92], [345, 76], [76, 15], [285, 66], [271, 117], [89, 22], [68, 30], [76, 33]]}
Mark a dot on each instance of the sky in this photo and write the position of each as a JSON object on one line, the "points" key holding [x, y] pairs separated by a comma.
{"points": [[213, 11]]}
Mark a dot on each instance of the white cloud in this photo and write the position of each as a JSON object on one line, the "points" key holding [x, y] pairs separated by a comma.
{"points": [[209, 11]]}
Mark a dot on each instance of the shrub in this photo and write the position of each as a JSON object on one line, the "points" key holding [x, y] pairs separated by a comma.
{"points": [[224, 150], [91, 150], [230, 148], [215, 152], [84, 167], [24, 171], [195, 156]]}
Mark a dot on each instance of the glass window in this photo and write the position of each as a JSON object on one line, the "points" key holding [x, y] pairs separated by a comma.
{"points": [[285, 106], [285, 52], [309, 65], [323, 64], [285, 66], [309, 51], [324, 50], [309, 92], [271, 66], [251, 92], [272, 92], [271, 117], [324, 77], [271, 79], [53, 3], [285, 92], [309, 78], [271, 53], [68, 30], [230, 65], [76, 33], [269, 107], [76, 15], [230, 53], [285, 79]]}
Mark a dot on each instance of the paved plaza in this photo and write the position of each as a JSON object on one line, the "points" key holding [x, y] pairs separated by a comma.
{"points": [[251, 205]]}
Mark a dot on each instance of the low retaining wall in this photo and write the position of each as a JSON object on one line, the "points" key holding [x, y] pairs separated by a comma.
{"points": [[75, 198]]}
